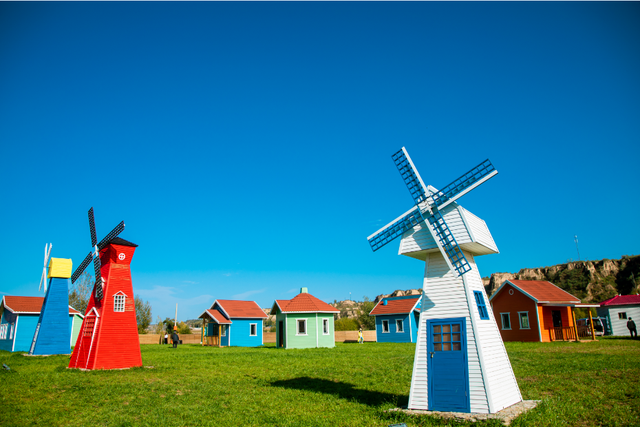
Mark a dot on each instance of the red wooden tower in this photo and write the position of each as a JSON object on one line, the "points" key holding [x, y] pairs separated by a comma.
{"points": [[109, 335]]}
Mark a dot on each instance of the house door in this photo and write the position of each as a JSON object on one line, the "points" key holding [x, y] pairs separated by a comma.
{"points": [[556, 315], [447, 366], [281, 334]]}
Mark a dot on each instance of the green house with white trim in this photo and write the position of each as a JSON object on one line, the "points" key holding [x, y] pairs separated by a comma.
{"points": [[304, 322]]}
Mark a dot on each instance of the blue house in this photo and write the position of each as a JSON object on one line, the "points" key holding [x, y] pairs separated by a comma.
{"points": [[19, 318], [397, 318], [233, 323]]}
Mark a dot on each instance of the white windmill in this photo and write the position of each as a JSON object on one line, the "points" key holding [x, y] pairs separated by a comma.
{"points": [[460, 362]]}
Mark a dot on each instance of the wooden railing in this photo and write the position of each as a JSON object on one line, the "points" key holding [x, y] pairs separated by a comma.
{"points": [[267, 337], [563, 334]]}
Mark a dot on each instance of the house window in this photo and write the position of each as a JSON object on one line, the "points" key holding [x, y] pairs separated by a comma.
{"points": [[3, 331], [523, 316], [622, 315], [506, 321], [11, 331], [399, 326], [118, 302], [482, 306], [325, 326], [253, 329], [302, 327], [385, 326], [223, 330]]}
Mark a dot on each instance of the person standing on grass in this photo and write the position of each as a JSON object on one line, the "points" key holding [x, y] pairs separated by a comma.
{"points": [[631, 325], [360, 337], [166, 338], [175, 338]]}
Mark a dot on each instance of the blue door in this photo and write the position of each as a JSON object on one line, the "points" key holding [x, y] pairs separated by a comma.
{"points": [[447, 366]]}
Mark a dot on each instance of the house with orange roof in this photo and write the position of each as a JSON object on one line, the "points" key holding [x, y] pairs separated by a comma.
{"points": [[304, 322], [397, 318], [19, 318], [535, 310], [618, 310], [233, 323]]}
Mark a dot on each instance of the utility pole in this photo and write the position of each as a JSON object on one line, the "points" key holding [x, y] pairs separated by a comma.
{"points": [[577, 248]]}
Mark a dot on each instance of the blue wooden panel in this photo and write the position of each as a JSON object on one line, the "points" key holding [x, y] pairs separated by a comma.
{"points": [[24, 331], [54, 331], [415, 320], [447, 365], [7, 319], [240, 333], [393, 335]]}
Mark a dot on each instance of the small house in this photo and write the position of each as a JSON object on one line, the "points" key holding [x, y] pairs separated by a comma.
{"points": [[19, 318], [617, 311], [304, 322], [231, 322], [535, 310], [397, 318]]}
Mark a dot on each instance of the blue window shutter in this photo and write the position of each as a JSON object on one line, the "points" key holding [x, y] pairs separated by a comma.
{"points": [[482, 306]]}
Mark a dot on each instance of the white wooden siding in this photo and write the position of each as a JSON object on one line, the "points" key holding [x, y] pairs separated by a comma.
{"points": [[480, 232], [444, 296], [619, 326]]}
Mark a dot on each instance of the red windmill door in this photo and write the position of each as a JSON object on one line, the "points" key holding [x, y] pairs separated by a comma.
{"points": [[87, 338]]}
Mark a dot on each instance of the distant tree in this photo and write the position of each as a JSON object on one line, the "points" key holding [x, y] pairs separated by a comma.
{"points": [[143, 314], [159, 329], [183, 328], [346, 324], [168, 324], [80, 292], [368, 323]]}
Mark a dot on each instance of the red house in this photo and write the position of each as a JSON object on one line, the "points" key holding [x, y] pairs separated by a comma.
{"points": [[534, 310], [109, 335]]}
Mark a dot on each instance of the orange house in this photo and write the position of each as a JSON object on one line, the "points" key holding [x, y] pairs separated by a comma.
{"points": [[534, 310]]}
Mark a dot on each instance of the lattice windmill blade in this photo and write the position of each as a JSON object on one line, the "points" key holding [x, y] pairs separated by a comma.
{"points": [[447, 244], [467, 182], [81, 267], [92, 227], [395, 228], [113, 234], [98, 275], [43, 278], [410, 176]]}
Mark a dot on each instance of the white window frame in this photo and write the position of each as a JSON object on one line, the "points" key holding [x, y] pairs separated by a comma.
{"points": [[383, 328], [119, 302], [520, 319], [298, 327], [3, 331], [325, 326], [255, 329], [11, 331], [502, 321], [223, 330], [399, 330]]}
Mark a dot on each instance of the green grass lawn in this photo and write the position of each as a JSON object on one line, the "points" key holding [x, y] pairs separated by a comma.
{"points": [[350, 385]]}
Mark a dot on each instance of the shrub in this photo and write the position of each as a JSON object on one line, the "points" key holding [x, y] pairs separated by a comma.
{"points": [[346, 324]]}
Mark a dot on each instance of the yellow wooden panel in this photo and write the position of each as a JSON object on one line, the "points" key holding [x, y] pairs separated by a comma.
{"points": [[60, 267]]}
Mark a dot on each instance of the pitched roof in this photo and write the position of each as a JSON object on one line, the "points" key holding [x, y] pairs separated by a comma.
{"points": [[305, 303], [396, 305], [120, 241], [217, 317], [621, 300], [30, 305], [544, 291], [243, 309]]}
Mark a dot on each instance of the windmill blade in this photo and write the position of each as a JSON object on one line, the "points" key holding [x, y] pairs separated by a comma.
{"points": [[81, 267], [395, 228], [117, 230], [410, 175], [98, 285], [43, 279], [92, 227], [467, 182], [447, 244]]}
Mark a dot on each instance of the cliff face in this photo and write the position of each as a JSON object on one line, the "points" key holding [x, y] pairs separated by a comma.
{"points": [[591, 281]]}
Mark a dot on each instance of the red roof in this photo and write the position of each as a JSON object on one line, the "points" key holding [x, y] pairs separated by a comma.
{"points": [[544, 291], [243, 309], [621, 300], [31, 305], [305, 303], [217, 316], [395, 305]]}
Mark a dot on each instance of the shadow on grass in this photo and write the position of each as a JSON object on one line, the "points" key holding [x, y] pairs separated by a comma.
{"points": [[342, 390]]}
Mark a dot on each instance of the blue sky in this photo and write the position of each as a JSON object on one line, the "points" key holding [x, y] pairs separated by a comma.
{"points": [[247, 146]]}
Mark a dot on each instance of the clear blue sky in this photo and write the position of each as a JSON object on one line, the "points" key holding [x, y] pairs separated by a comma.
{"points": [[247, 146]]}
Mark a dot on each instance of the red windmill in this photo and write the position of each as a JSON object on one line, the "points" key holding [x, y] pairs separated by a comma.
{"points": [[109, 335]]}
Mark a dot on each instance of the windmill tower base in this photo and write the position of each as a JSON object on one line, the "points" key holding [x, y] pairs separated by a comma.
{"points": [[53, 332], [461, 363]]}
